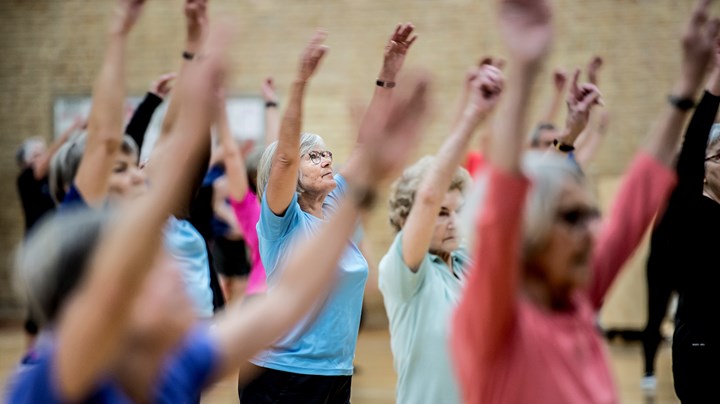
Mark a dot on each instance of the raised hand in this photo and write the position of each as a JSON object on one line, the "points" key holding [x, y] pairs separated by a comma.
{"points": [[559, 80], [698, 43], [127, 14], [526, 28], [268, 90], [312, 55], [161, 87], [196, 19], [581, 99], [390, 138], [396, 50], [595, 64], [485, 89]]}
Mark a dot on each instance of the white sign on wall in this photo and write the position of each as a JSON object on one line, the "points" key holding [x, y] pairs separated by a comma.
{"points": [[246, 115]]}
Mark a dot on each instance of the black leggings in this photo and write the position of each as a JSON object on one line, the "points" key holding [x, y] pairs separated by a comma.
{"points": [[275, 386], [659, 288]]}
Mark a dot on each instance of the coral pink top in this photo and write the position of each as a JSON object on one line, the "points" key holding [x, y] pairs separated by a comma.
{"points": [[508, 350], [247, 213]]}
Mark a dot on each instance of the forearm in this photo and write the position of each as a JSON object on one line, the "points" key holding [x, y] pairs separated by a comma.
{"points": [[663, 137], [106, 114], [234, 165], [291, 124], [511, 127], [272, 124], [141, 118], [417, 231], [550, 115]]}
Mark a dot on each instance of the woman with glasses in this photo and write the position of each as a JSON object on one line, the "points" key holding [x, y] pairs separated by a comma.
{"points": [[683, 255], [524, 330], [300, 191]]}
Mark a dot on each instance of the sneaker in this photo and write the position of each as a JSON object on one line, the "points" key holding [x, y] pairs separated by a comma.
{"points": [[648, 382]]}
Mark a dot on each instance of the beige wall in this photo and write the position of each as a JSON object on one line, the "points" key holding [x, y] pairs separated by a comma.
{"points": [[52, 47]]}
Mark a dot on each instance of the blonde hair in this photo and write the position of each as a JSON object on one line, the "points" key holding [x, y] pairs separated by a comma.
{"points": [[402, 193]]}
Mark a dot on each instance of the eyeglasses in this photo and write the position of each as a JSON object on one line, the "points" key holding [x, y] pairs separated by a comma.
{"points": [[317, 156], [577, 217], [714, 158]]}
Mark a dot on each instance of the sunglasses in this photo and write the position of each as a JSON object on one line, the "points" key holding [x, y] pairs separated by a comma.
{"points": [[317, 156], [576, 217]]}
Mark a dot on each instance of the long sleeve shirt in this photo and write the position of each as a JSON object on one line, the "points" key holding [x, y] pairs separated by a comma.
{"points": [[509, 350]]}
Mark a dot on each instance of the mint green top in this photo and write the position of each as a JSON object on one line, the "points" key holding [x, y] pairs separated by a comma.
{"points": [[419, 306]]}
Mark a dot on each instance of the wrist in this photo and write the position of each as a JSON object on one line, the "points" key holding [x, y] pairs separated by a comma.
{"points": [[568, 136], [713, 86], [386, 75]]}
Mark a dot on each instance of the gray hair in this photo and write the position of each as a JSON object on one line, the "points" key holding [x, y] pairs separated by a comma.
{"points": [[549, 174], [66, 161], [53, 260], [308, 141], [714, 136], [22, 154], [402, 193]]}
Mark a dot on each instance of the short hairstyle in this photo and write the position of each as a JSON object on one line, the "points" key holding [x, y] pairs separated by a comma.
{"points": [[549, 174], [22, 154], [403, 190], [53, 260], [66, 161], [308, 141], [535, 135]]}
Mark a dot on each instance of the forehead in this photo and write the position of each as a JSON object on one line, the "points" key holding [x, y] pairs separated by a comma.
{"points": [[574, 194], [453, 199]]}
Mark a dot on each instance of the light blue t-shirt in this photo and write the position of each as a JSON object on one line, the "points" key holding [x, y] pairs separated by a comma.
{"points": [[419, 306], [323, 343], [187, 247]]}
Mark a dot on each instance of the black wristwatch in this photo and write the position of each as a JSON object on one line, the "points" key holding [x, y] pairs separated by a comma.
{"points": [[683, 104], [565, 148]]}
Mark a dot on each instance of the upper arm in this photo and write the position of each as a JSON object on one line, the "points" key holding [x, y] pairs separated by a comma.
{"points": [[282, 184], [642, 193], [93, 175], [487, 310], [396, 278]]}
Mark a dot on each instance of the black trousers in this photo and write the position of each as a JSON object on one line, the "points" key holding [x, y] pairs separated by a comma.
{"points": [[659, 288], [696, 369], [274, 386]]}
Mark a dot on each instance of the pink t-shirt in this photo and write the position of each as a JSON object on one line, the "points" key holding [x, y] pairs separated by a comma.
{"points": [[507, 349], [247, 213]]}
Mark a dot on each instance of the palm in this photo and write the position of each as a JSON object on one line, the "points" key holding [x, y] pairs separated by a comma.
{"points": [[526, 28], [397, 48]]}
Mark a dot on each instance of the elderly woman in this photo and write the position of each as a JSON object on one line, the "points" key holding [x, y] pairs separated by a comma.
{"points": [[682, 256], [524, 331], [422, 274], [97, 282], [300, 190]]}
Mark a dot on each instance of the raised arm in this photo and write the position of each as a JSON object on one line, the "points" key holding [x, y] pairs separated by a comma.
{"points": [[245, 329], [591, 139], [98, 315], [286, 161], [486, 312], [235, 172], [691, 162], [649, 180], [581, 98], [697, 45], [272, 112], [553, 107], [105, 122], [393, 59], [143, 114], [42, 165], [418, 229]]}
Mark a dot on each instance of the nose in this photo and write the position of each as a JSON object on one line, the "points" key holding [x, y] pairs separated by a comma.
{"points": [[325, 162], [137, 176]]}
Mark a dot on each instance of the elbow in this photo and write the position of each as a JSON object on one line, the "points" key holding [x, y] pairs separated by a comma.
{"points": [[428, 196], [285, 159]]}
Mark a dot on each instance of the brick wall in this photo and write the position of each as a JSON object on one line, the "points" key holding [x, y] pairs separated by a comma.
{"points": [[52, 47]]}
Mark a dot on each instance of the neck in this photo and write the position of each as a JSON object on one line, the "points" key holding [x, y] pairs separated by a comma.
{"points": [[541, 294], [312, 203], [711, 193], [446, 257]]}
